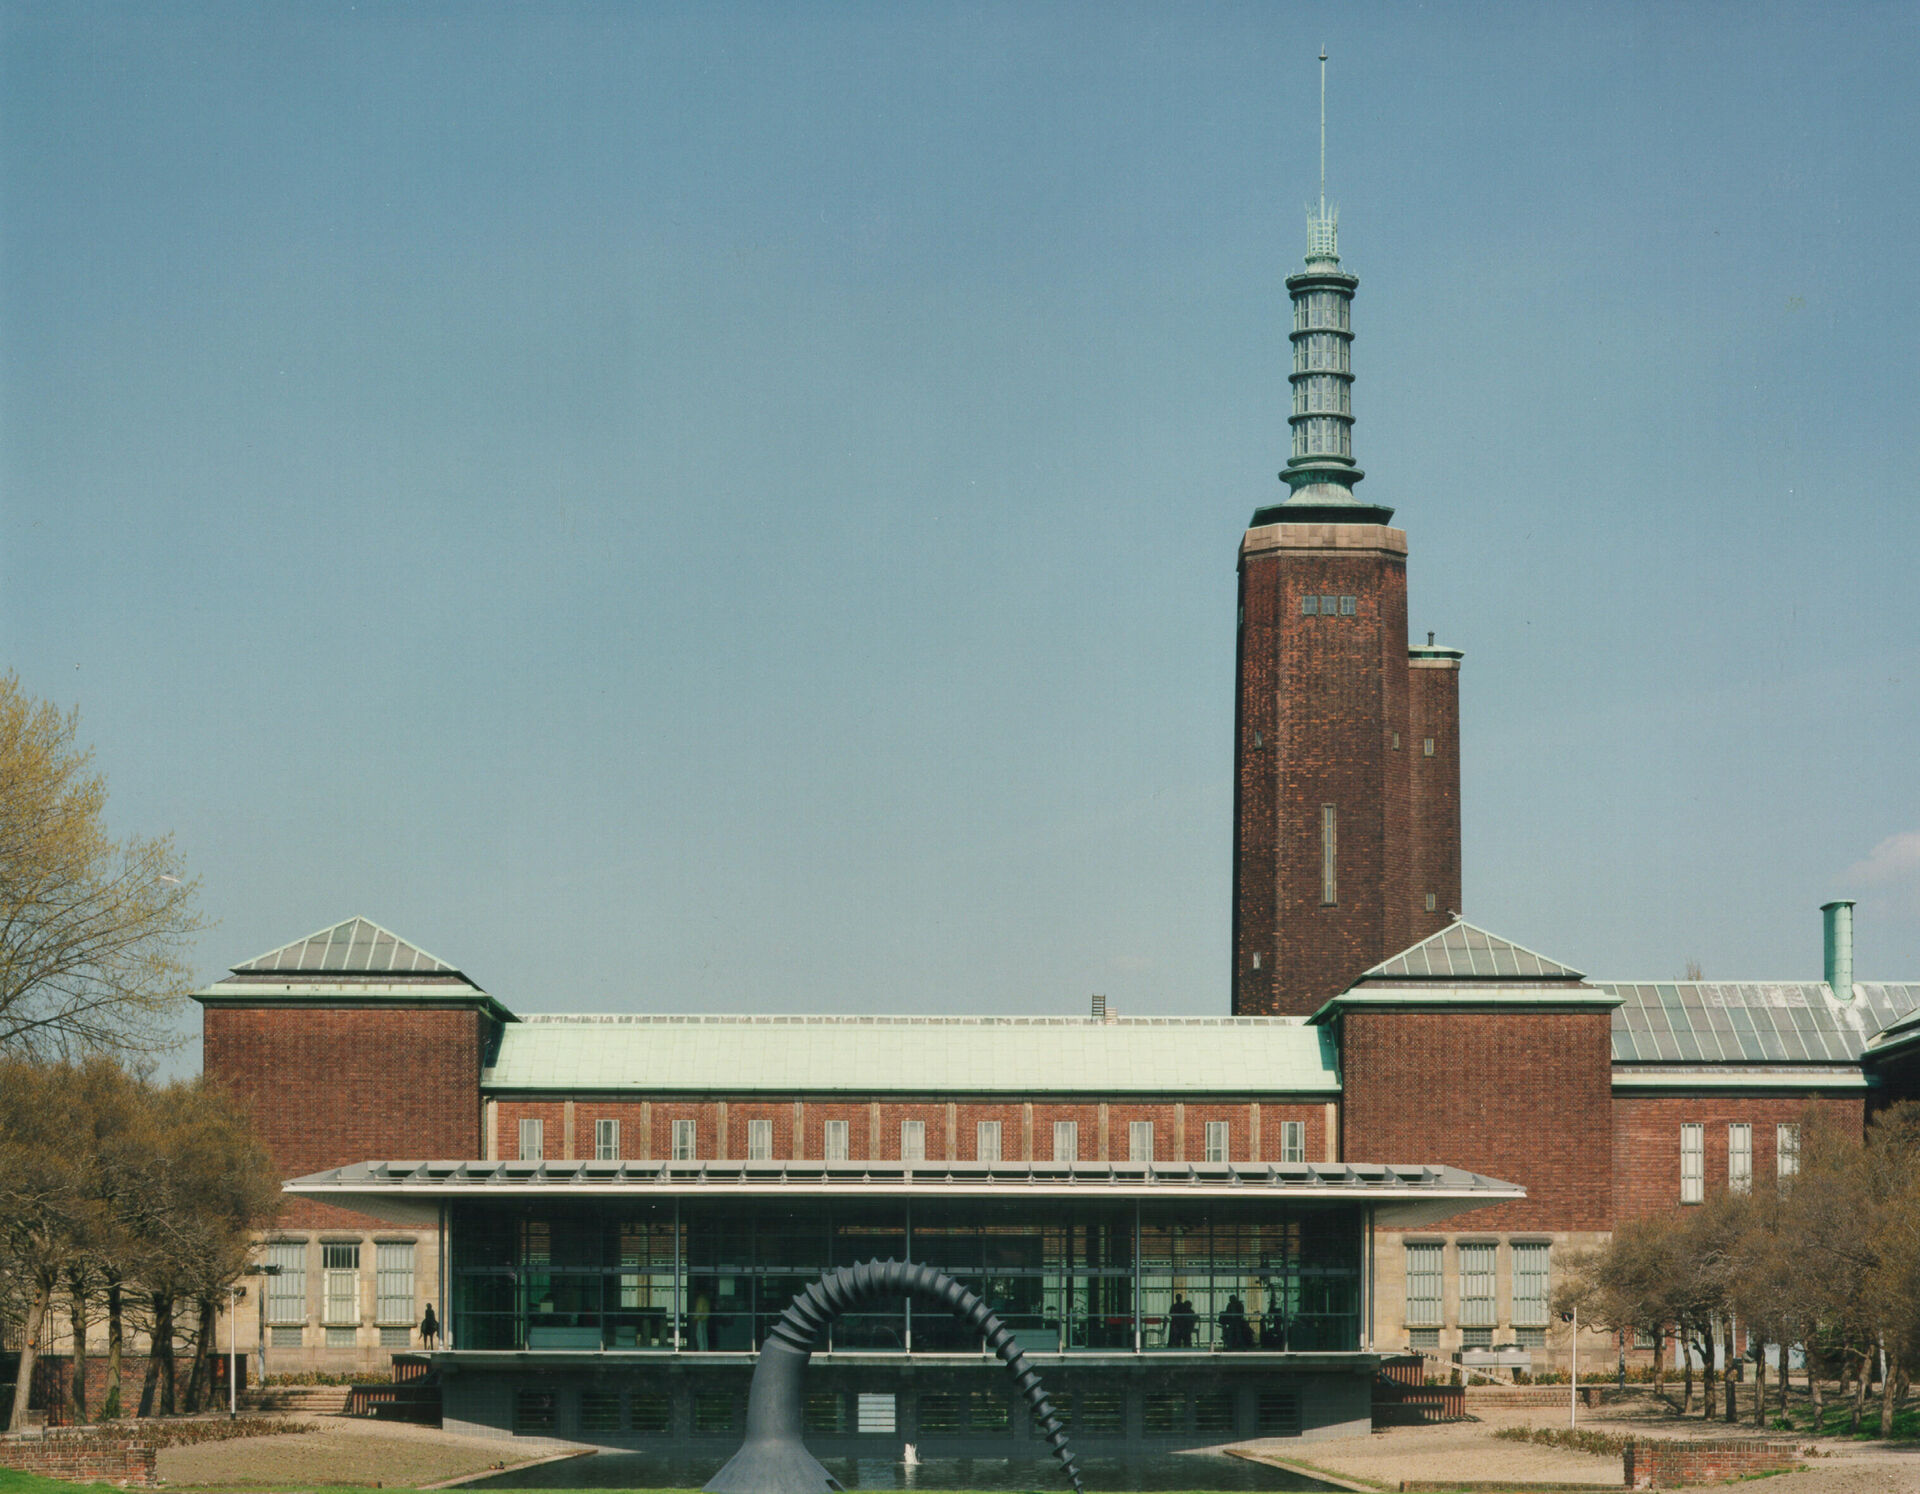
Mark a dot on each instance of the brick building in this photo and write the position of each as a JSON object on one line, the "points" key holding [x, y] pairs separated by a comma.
{"points": [[1198, 1227]]}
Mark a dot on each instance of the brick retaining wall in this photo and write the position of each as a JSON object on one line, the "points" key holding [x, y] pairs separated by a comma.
{"points": [[1666, 1465], [81, 1459]]}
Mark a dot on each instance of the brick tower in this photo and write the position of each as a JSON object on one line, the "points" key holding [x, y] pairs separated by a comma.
{"points": [[1346, 755]]}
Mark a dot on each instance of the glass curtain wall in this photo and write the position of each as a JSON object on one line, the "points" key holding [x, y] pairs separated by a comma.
{"points": [[1066, 1275]]}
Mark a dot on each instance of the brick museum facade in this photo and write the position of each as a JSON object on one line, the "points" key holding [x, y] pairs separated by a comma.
{"points": [[1389, 1140]]}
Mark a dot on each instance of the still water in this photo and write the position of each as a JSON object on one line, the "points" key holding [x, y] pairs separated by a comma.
{"points": [[624, 1470]]}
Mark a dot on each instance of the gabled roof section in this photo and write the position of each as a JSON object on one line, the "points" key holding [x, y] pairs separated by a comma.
{"points": [[358, 946], [1462, 952], [351, 963]]}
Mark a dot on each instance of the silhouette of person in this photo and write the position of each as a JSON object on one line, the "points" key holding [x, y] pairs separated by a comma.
{"points": [[429, 1327], [1181, 1318], [1233, 1324]]}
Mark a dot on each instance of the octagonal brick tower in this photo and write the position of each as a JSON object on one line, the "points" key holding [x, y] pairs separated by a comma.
{"points": [[1347, 764]]}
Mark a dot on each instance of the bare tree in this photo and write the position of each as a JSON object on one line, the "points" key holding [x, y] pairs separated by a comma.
{"points": [[93, 931]]}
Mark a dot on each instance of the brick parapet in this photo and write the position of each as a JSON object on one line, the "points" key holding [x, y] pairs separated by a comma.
{"points": [[80, 1458], [1523, 1096], [1671, 1464]]}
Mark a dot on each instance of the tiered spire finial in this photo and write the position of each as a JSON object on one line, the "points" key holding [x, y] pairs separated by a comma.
{"points": [[1323, 222]]}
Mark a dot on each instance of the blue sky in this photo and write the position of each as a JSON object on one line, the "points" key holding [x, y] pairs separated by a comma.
{"points": [[734, 506]]}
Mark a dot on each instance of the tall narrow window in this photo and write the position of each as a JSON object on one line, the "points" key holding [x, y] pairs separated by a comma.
{"points": [[532, 1140], [1530, 1264], [1217, 1141], [287, 1291], [1329, 854], [1693, 1164], [1293, 1141], [1477, 1306], [913, 1141], [1423, 1286], [1739, 1159], [759, 1140], [685, 1147], [393, 1282], [1066, 1141], [1786, 1150], [1139, 1141], [836, 1141], [606, 1140], [987, 1141], [340, 1266]]}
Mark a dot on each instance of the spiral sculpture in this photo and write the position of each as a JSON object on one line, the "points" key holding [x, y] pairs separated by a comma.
{"points": [[773, 1458]]}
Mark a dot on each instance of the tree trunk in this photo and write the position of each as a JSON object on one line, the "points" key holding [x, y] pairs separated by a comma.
{"points": [[1685, 1346], [1709, 1369], [160, 1362], [200, 1379], [1887, 1381], [1732, 1370], [116, 1338], [1859, 1403], [29, 1351], [1814, 1392], [1660, 1364], [77, 1383]]}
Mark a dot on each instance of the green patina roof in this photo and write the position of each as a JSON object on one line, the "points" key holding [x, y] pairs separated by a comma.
{"points": [[917, 1055], [1461, 951]]}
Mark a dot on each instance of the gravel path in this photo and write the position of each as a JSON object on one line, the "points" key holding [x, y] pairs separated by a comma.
{"points": [[345, 1451]]}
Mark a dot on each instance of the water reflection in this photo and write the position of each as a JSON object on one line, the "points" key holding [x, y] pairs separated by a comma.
{"points": [[622, 1470]]}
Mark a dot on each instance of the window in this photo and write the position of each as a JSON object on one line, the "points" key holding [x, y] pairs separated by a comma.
{"points": [[1430, 902], [759, 1140], [1329, 855], [913, 1141], [836, 1141], [392, 1337], [532, 1140], [1066, 1141], [1423, 1338], [393, 1281], [285, 1338], [1426, 747], [1139, 1141], [1328, 605], [1739, 1158], [1423, 1288], [873, 1411], [1293, 1141], [1530, 1264], [341, 1269], [1786, 1150], [1476, 1287], [685, 1148], [1349, 606], [1693, 1164], [1310, 606], [1530, 1338], [606, 1140], [287, 1292], [987, 1141], [1217, 1141], [1476, 1338]]}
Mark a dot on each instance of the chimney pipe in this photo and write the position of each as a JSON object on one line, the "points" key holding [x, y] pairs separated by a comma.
{"points": [[1838, 917]]}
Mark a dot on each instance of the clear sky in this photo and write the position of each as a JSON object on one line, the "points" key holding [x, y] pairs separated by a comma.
{"points": [[724, 507]]}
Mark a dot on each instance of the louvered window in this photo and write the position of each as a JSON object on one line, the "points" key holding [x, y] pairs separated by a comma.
{"points": [[1423, 1286], [393, 1281], [1477, 1305], [1530, 1268]]}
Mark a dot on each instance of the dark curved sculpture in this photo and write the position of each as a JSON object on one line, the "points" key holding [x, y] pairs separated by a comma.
{"points": [[773, 1458]]}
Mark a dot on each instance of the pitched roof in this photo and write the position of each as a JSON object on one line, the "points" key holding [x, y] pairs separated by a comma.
{"points": [[1462, 951], [357, 946], [916, 1055]]}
